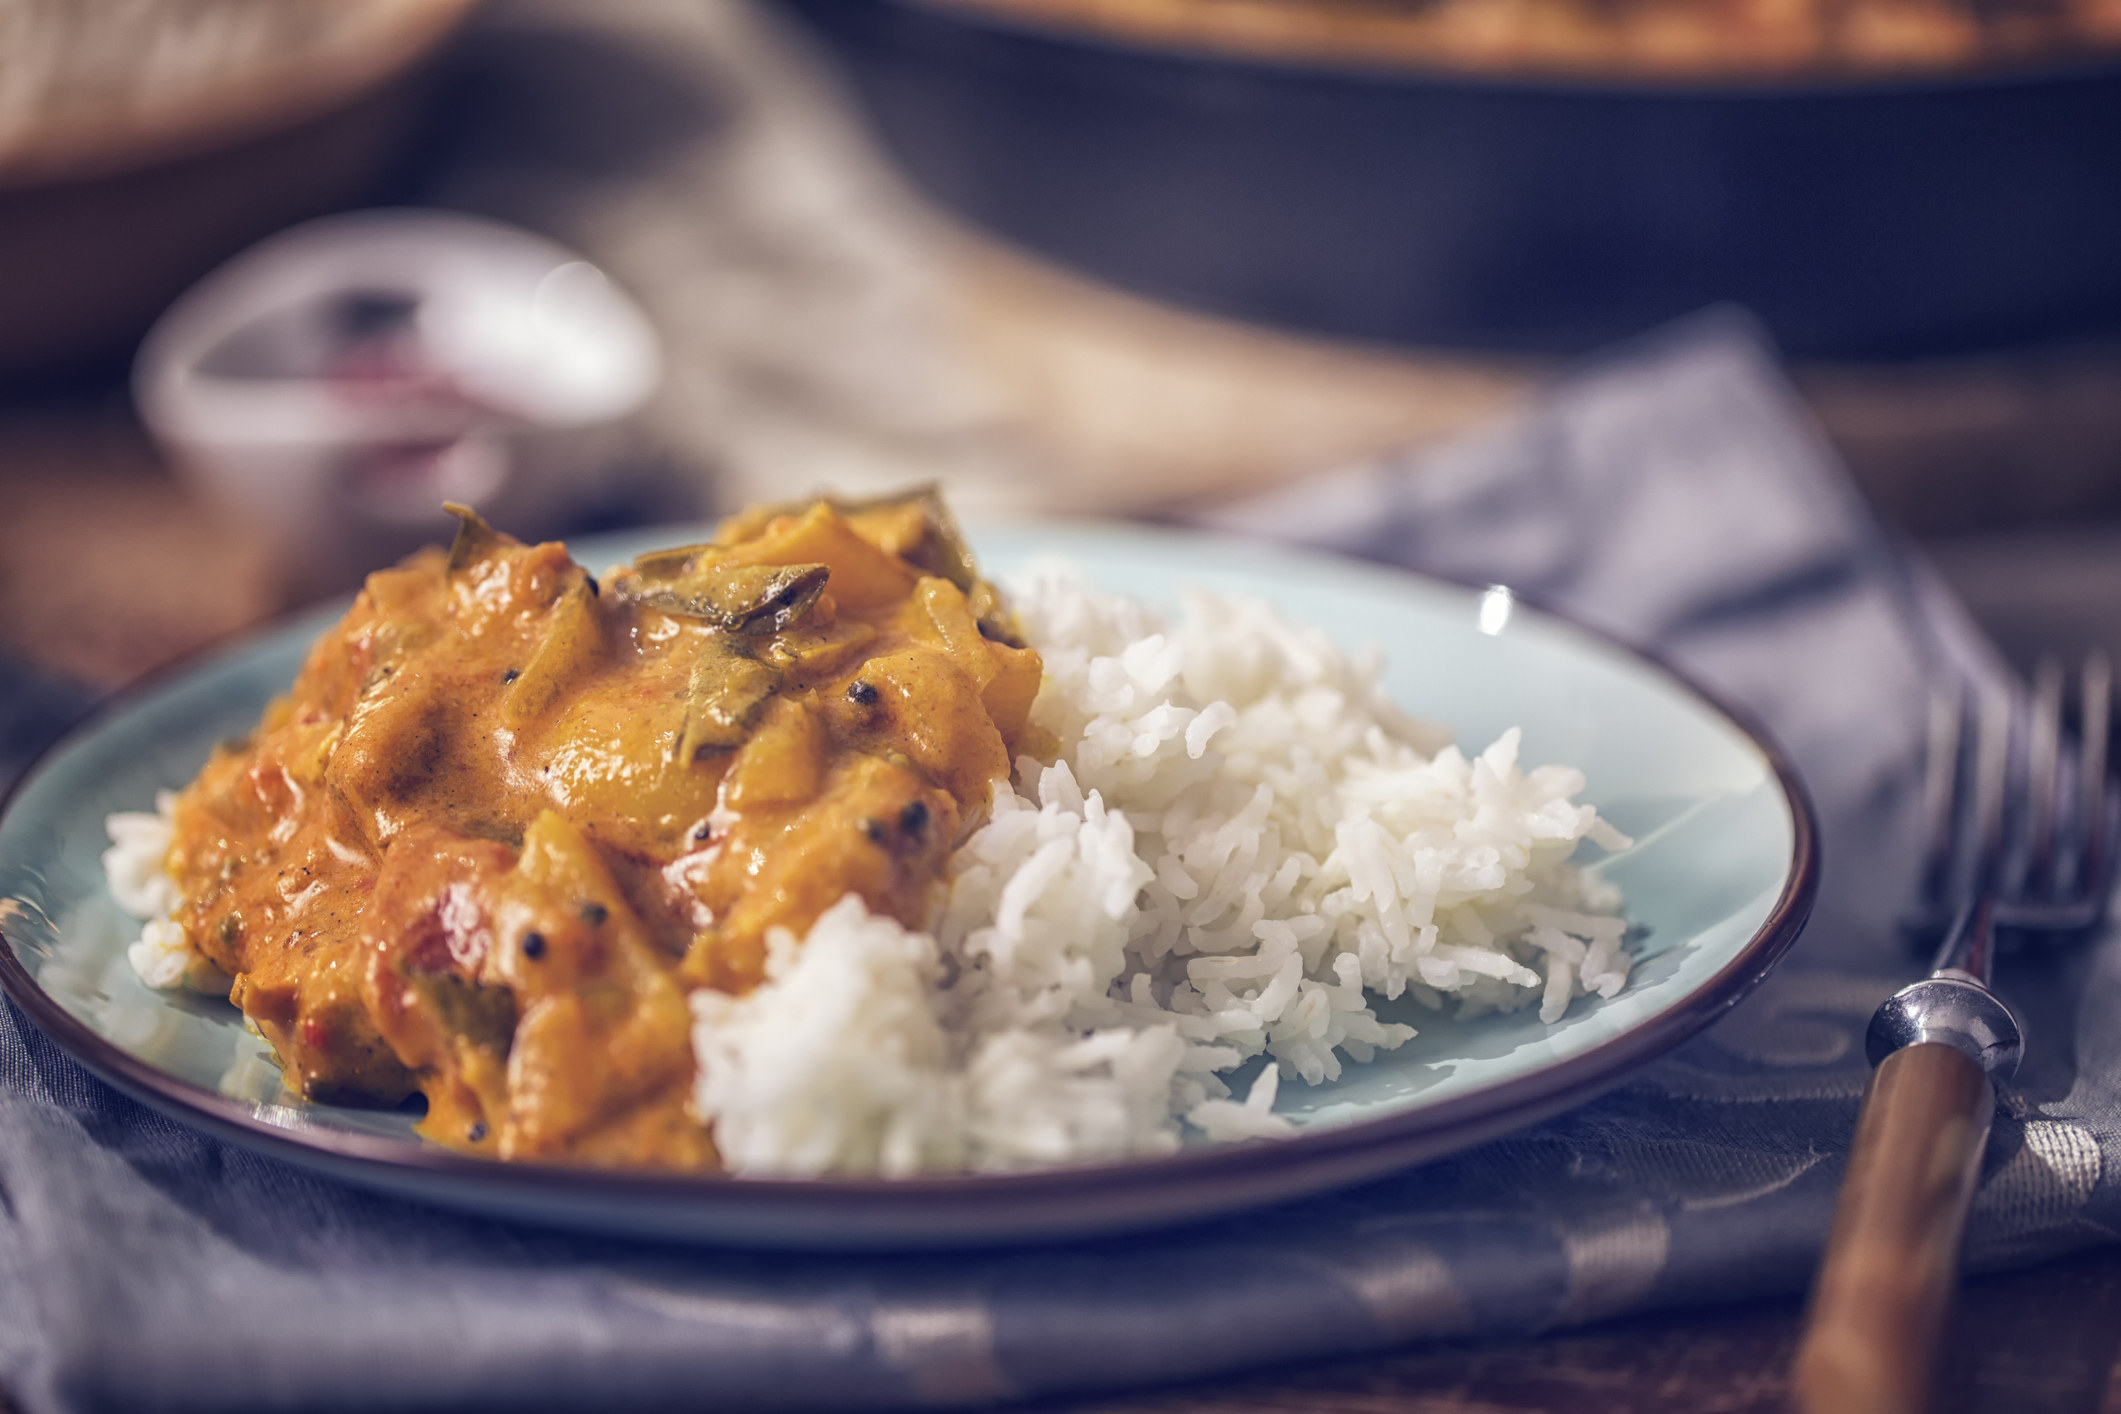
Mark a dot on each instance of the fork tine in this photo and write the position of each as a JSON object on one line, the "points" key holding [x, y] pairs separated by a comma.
{"points": [[1992, 761], [2038, 870], [2067, 891], [1940, 792], [2095, 852]]}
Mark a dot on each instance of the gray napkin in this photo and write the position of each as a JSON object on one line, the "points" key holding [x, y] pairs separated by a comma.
{"points": [[1673, 492]]}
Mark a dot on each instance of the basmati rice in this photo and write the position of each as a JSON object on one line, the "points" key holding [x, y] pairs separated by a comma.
{"points": [[163, 955], [1239, 844]]}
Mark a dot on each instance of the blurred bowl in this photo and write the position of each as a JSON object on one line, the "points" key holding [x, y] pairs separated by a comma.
{"points": [[1859, 217], [337, 383], [115, 197]]}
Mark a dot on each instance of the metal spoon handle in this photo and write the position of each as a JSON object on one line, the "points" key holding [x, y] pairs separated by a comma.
{"points": [[1871, 1337]]}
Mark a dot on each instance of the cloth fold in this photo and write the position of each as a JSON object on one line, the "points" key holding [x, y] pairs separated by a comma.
{"points": [[1673, 492]]}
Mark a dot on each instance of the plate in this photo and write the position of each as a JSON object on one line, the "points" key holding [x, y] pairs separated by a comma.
{"points": [[1719, 882]]}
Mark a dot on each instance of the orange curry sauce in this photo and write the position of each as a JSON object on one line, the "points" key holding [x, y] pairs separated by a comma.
{"points": [[507, 817]]}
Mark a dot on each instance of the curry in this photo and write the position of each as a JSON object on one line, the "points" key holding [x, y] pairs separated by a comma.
{"points": [[509, 816]]}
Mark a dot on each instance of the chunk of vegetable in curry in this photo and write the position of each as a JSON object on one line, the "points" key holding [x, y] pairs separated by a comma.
{"points": [[508, 816]]}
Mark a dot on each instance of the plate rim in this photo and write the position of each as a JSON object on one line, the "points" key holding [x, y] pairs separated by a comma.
{"points": [[1548, 1090]]}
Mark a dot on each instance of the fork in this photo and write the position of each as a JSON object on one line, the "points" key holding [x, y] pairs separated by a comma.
{"points": [[2038, 863]]}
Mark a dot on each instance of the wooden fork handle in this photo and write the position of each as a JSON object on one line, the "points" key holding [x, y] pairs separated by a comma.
{"points": [[1877, 1312]]}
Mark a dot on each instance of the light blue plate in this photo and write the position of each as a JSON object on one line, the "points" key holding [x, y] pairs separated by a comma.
{"points": [[1718, 884]]}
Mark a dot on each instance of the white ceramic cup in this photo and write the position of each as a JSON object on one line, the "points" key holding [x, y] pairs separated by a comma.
{"points": [[336, 383]]}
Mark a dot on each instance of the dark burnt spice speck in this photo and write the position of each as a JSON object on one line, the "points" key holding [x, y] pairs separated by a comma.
{"points": [[594, 913], [476, 1132], [914, 818], [533, 946], [862, 693], [511, 675]]}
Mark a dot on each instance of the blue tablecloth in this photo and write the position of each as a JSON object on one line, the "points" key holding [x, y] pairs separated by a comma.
{"points": [[1674, 492]]}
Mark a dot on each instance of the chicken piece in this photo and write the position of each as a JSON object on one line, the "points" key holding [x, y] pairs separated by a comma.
{"points": [[508, 814]]}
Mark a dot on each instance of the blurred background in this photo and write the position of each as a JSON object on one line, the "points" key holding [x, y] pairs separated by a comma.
{"points": [[277, 276]]}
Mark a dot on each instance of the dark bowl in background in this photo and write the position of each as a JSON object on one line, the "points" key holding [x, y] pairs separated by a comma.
{"points": [[1861, 219]]}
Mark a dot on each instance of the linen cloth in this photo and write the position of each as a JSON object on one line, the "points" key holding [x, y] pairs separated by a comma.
{"points": [[1673, 492]]}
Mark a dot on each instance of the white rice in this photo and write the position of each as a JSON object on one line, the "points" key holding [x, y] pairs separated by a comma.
{"points": [[1240, 847], [163, 955]]}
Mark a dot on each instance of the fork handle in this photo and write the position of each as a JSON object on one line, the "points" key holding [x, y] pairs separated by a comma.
{"points": [[1877, 1312]]}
